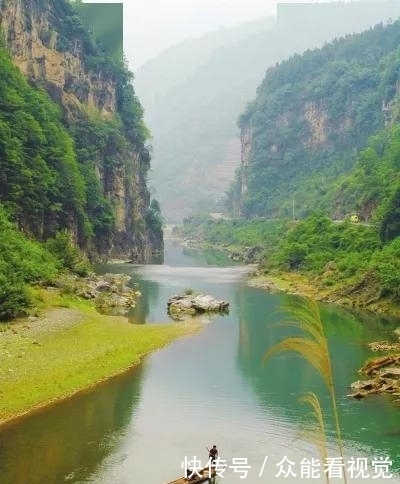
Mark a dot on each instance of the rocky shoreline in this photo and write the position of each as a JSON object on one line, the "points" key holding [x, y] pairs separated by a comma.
{"points": [[383, 373], [110, 292]]}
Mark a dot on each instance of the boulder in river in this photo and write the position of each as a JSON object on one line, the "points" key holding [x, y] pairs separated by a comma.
{"points": [[192, 304]]}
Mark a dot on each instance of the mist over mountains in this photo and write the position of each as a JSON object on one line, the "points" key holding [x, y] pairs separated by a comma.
{"points": [[193, 94]]}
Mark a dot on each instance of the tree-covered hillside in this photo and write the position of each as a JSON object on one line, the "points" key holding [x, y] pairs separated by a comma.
{"points": [[312, 115], [41, 183], [192, 112]]}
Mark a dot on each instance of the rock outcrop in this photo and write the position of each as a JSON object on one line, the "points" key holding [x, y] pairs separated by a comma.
{"points": [[110, 292], [190, 304], [383, 373], [34, 33]]}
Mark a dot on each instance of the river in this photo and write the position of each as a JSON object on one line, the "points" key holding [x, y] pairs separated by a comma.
{"points": [[209, 388]]}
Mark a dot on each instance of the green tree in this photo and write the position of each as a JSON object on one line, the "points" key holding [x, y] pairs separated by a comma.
{"points": [[390, 225]]}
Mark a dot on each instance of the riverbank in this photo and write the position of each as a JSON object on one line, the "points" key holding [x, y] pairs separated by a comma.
{"points": [[357, 297], [338, 262], [380, 374], [68, 348], [330, 286]]}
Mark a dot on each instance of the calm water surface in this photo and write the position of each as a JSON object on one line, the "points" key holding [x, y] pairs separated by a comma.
{"points": [[204, 389]]}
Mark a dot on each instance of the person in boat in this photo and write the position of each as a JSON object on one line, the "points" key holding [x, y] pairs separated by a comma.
{"points": [[213, 454]]}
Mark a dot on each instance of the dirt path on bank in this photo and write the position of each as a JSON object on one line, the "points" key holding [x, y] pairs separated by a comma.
{"points": [[52, 320]]}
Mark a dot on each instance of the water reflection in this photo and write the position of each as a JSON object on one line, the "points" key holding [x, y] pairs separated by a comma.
{"points": [[150, 291], [279, 382], [70, 440]]}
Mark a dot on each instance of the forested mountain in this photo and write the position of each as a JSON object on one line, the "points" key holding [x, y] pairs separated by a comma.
{"points": [[73, 144], [74, 154], [311, 117], [192, 113]]}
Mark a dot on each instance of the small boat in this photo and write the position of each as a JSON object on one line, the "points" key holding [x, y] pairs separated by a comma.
{"points": [[200, 476]]}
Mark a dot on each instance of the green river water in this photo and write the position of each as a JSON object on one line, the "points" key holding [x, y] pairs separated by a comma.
{"points": [[204, 389]]}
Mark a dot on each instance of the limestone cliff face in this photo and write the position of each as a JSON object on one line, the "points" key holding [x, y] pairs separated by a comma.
{"points": [[245, 139], [282, 148], [311, 116], [317, 118], [48, 44], [31, 32]]}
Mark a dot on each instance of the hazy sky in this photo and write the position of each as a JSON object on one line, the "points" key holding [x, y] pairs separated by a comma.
{"points": [[165, 22], [153, 25]]}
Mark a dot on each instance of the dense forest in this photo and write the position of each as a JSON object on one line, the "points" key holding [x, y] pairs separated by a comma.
{"points": [[74, 156]]}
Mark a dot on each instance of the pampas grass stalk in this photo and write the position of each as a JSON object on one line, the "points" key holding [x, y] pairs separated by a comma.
{"points": [[313, 347]]}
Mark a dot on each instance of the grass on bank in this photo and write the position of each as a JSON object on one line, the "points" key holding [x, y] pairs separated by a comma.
{"points": [[38, 366]]}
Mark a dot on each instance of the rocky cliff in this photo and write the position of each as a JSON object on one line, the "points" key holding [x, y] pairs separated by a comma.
{"points": [[36, 34], [52, 47]]}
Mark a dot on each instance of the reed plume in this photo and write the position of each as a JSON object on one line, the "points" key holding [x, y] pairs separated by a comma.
{"points": [[312, 346], [315, 433]]}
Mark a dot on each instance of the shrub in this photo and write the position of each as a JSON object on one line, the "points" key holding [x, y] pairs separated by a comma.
{"points": [[68, 256]]}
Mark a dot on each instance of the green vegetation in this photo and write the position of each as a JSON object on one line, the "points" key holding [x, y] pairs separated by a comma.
{"points": [[312, 115], [61, 164], [235, 232], [22, 261], [315, 241], [67, 255], [50, 363], [40, 181], [369, 188], [334, 255]]}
